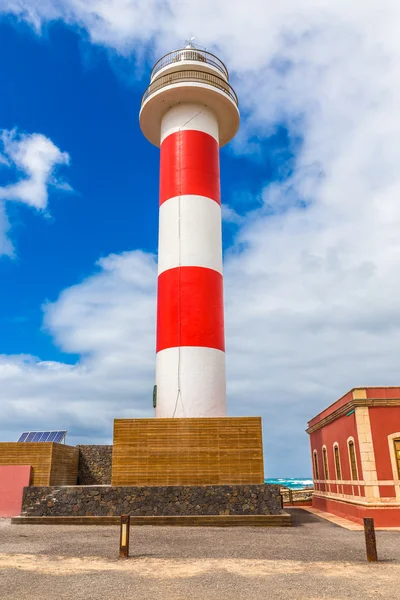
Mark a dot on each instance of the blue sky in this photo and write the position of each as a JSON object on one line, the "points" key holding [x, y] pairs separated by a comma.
{"points": [[113, 206], [311, 214]]}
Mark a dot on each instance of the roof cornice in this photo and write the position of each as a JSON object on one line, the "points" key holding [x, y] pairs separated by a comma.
{"points": [[352, 405]]}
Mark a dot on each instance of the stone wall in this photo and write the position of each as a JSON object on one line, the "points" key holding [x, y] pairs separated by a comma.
{"points": [[94, 465], [151, 501]]}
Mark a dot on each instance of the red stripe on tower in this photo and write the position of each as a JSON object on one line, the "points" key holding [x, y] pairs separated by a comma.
{"points": [[190, 309], [189, 164]]}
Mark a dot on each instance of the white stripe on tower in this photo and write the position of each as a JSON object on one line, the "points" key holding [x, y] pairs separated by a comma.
{"points": [[194, 117], [198, 221], [190, 366]]}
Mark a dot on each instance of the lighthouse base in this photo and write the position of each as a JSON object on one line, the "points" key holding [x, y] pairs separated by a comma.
{"points": [[204, 451], [184, 472]]}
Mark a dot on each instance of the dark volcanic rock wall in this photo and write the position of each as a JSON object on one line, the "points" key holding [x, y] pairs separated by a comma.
{"points": [[151, 501], [94, 465]]}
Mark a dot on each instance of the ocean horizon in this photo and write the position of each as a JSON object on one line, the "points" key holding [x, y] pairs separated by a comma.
{"points": [[293, 483]]}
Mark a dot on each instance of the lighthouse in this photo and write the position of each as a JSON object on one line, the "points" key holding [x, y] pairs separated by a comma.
{"points": [[189, 111]]}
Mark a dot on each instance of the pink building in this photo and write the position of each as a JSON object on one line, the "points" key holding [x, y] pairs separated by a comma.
{"points": [[355, 449]]}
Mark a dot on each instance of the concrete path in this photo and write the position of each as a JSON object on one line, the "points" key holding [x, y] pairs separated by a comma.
{"points": [[313, 560], [346, 523]]}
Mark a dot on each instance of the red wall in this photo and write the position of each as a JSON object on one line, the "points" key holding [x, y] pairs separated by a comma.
{"points": [[384, 422], [337, 431], [383, 392], [13, 479], [337, 404], [383, 517]]}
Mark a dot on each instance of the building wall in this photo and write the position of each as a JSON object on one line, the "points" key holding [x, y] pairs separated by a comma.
{"points": [[51, 463], [373, 422], [384, 423], [13, 479], [327, 411], [203, 451], [339, 432], [36, 455], [367, 454], [152, 501], [384, 516], [64, 465], [387, 393]]}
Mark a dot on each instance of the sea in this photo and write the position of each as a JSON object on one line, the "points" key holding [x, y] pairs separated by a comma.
{"points": [[295, 483]]}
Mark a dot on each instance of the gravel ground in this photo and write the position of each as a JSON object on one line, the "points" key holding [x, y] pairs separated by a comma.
{"points": [[313, 560]]}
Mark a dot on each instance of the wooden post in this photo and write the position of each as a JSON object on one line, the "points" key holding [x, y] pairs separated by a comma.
{"points": [[290, 496], [370, 540], [124, 536]]}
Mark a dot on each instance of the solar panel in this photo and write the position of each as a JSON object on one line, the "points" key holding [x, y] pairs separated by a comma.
{"points": [[43, 436], [60, 436]]}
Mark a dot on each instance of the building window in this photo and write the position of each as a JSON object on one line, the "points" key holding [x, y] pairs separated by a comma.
{"points": [[397, 452], [337, 463], [316, 471], [325, 458], [353, 462]]}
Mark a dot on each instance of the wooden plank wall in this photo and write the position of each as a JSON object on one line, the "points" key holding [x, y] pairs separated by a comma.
{"points": [[64, 465], [209, 451], [37, 455], [52, 464]]}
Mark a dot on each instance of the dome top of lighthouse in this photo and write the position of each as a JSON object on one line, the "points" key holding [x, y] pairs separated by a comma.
{"points": [[189, 75], [194, 58]]}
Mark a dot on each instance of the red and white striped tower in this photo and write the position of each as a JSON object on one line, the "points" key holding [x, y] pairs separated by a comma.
{"points": [[189, 110]]}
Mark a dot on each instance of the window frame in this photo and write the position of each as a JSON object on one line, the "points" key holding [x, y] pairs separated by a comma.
{"points": [[337, 461], [315, 465], [397, 457], [325, 462], [352, 463], [392, 438]]}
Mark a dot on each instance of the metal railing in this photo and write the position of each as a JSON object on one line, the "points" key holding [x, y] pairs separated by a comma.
{"points": [[195, 76], [190, 54]]}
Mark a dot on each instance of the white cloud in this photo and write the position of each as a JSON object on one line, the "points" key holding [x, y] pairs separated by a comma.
{"points": [[108, 318], [35, 159], [4, 161], [312, 282], [5, 244], [114, 309], [229, 215]]}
